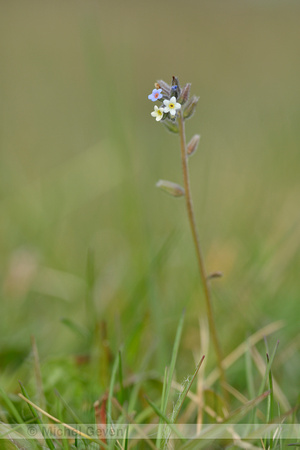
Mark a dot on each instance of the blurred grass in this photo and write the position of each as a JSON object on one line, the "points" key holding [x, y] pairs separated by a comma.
{"points": [[79, 160]]}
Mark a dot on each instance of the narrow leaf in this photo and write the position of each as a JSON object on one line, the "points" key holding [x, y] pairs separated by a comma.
{"points": [[37, 418], [11, 407], [183, 394], [110, 396], [173, 360], [171, 126], [163, 396], [164, 418], [268, 368]]}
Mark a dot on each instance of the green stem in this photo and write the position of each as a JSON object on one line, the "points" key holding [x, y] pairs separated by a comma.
{"points": [[191, 215]]}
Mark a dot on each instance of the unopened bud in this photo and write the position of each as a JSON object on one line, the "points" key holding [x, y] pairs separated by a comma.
{"points": [[171, 188], [175, 82], [185, 93], [175, 89], [193, 144], [214, 275], [190, 107], [165, 87]]}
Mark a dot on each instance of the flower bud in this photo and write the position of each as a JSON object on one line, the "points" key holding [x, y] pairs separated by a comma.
{"points": [[175, 88], [175, 82], [171, 188], [190, 107], [214, 275], [185, 93], [193, 144], [166, 88]]}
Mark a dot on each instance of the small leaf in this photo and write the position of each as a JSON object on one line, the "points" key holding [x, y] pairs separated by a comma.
{"points": [[171, 188], [172, 126]]}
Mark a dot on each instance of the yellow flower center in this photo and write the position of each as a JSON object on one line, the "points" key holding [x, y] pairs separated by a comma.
{"points": [[171, 105]]}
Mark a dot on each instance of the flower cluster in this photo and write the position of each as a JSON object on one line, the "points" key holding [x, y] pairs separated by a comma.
{"points": [[170, 107], [172, 98]]}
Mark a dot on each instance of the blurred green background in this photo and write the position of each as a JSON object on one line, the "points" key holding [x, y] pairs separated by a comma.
{"points": [[80, 156]]}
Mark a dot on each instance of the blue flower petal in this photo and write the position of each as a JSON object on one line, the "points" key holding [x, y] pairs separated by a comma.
{"points": [[156, 95]]}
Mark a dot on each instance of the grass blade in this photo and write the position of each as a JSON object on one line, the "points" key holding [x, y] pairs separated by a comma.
{"points": [[268, 368], [242, 348], [54, 419], [270, 405], [249, 371], [68, 408], [110, 396], [213, 431], [135, 425], [75, 328], [11, 407], [37, 418], [165, 419], [122, 391], [38, 374], [163, 396], [183, 394], [173, 362]]}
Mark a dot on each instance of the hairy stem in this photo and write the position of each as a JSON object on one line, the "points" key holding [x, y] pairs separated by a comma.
{"points": [[203, 275]]}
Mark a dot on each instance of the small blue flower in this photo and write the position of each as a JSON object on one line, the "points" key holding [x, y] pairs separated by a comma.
{"points": [[156, 95]]}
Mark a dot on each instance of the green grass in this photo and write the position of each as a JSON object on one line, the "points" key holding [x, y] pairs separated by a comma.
{"points": [[97, 265]]}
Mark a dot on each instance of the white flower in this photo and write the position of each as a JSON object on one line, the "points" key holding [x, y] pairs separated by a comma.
{"points": [[171, 106], [158, 113]]}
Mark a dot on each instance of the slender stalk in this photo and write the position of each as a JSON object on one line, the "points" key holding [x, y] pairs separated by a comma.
{"points": [[191, 215]]}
